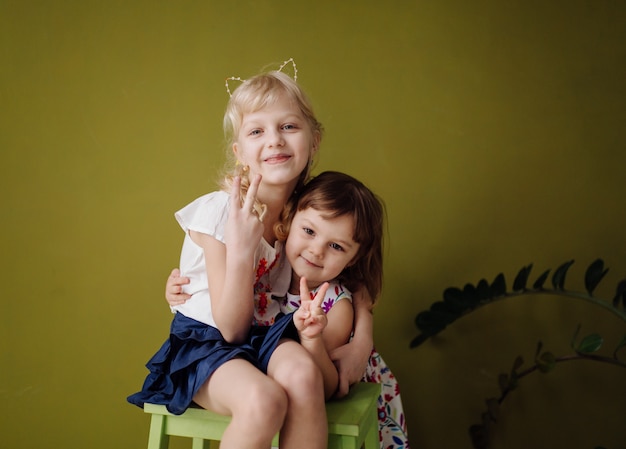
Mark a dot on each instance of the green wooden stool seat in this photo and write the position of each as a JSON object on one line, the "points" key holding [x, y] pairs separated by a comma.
{"points": [[352, 422]]}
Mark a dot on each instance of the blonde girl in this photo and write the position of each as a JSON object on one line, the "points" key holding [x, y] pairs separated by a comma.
{"points": [[230, 349]]}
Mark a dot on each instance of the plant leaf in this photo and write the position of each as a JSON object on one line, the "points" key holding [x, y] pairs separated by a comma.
{"points": [[471, 295], [538, 285], [594, 275], [429, 322], [454, 297], [421, 338], [444, 311], [620, 294], [546, 362], [558, 279], [522, 278], [479, 435], [482, 290], [590, 343], [498, 287], [517, 364]]}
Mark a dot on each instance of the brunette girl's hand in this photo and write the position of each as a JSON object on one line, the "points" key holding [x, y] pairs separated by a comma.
{"points": [[352, 358], [244, 228], [174, 288], [310, 319]]}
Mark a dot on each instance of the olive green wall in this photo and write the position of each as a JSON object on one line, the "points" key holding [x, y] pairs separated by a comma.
{"points": [[493, 130]]}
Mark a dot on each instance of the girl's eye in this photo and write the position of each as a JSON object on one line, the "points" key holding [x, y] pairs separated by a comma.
{"points": [[255, 132], [289, 126], [336, 246], [308, 231]]}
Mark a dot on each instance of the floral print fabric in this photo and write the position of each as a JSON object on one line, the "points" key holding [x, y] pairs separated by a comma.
{"points": [[391, 423]]}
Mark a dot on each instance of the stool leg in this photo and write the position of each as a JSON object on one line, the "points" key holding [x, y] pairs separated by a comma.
{"points": [[343, 442], [372, 438], [199, 443], [158, 439]]}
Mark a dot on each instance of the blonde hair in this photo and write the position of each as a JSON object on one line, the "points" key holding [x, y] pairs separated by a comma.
{"points": [[337, 194], [252, 95]]}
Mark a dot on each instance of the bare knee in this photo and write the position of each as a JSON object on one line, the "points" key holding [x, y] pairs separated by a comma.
{"points": [[264, 409], [301, 376]]}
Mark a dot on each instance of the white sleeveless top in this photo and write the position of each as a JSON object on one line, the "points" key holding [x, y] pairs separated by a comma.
{"points": [[208, 215]]}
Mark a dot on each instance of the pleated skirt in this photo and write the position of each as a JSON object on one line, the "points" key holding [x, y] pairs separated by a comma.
{"points": [[192, 353]]}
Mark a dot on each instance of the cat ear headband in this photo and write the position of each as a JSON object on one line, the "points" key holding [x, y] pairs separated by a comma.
{"points": [[282, 66]]}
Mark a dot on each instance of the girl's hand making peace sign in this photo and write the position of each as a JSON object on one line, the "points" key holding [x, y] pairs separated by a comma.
{"points": [[244, 228], [310, 319]]}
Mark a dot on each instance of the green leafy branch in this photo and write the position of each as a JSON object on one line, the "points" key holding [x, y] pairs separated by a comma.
{"points": [[460, 302], [545, 361]]}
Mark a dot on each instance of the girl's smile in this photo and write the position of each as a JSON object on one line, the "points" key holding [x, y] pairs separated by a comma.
{"points": [[320, 247], [310, 263], [277, 159]]}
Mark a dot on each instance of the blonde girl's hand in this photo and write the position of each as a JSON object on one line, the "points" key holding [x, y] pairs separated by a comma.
{"points": [[174, 288], [348, 360], [244, 228], [310, 319]]}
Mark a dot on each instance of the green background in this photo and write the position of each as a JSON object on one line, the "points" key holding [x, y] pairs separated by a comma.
{"points": [[494, 131]]}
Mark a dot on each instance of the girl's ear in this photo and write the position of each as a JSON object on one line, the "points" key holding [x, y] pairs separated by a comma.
{"points": [[235, 152]]}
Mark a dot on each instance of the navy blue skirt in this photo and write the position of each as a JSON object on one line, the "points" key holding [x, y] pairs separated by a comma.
{"points": [[194, 351]]}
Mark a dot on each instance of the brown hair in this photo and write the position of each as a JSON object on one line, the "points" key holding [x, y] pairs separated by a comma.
{"points": [[340, 194]]}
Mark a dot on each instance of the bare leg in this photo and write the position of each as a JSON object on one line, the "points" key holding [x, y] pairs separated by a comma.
{"points": [[306, 426], [256, 403]]}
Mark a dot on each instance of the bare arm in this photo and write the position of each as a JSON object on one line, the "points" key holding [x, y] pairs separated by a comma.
{"points": [[230, 266], [334, 330], [351, 359], [310, 320]]}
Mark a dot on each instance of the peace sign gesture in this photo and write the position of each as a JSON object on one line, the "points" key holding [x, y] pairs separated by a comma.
{"points": [[310, 319], [244, 228]]}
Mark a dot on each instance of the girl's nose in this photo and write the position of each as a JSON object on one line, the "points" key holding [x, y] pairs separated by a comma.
{"points": [[317, 249], [274, 138]]}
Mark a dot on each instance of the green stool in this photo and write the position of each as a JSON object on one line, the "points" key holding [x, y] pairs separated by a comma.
{"points": [[352, 422]]}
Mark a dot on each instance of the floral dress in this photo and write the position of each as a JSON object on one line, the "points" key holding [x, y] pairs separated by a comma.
{"points": [[391, 423]]}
